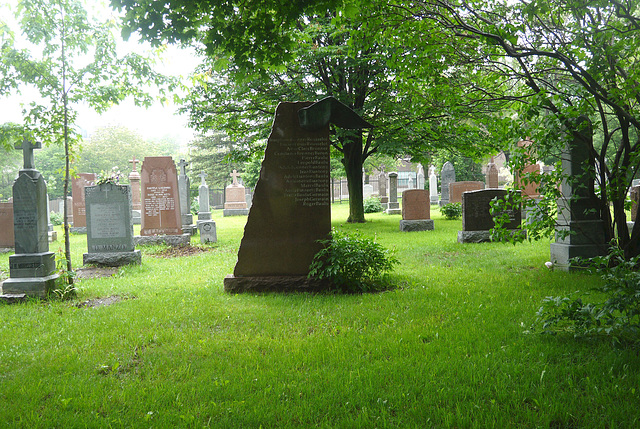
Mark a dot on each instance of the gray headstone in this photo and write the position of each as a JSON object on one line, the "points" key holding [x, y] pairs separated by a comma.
{"points": [[109, 226], [207, 229], [420, 178], [476, 215], [578, 211], [203, 199], [393, 206], [184, 193], [447, 176], [433, 185], [32, 267]]}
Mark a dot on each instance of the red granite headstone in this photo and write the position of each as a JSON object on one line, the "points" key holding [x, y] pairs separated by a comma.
{"points": [[6, 225], [456, 189], [77, 188], [160, 205], [416, 205]]}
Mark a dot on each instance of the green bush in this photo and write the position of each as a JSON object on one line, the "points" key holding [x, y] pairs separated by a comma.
{"points": [[372, 205], [353, 263], [55, 218], [616, 315], [452, 210]]}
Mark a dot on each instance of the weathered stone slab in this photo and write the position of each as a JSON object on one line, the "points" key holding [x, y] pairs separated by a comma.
{"points": [[207, 229], [112, 259], [79, 209], [161, 208], [447, 176], [456, 189], [170, 240], [7, 238]]}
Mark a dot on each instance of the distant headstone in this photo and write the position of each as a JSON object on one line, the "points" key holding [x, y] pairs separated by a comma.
{"points": [[447, 176], [416, 211], [235, 201], [456, 189], [109, 226], [79, 214], [32, 267], [530, 190], [184, 192], [382, 190], [7, 240], [420, 177], [433, 185], [491, 177], [203, 199], [476, 215], [394, 206], [291, 208], [578, 209], [367, 190], [136, 204], [207, 229], [53, 235], [160, 206]]}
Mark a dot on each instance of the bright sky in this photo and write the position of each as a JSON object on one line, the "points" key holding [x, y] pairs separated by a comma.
{"points": [[152, 123]]}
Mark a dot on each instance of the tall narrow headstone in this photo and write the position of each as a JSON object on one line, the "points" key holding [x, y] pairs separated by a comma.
{"points": [[235, 201], [134, 181], [184, 191], [447, 176], [32, 267], [109, 226], [203, 199], [393, 206], [77, 186], [382, 190], [160, 205], [433, 185], [420, 177], [291, 208], [578, 209], [491, 177]]}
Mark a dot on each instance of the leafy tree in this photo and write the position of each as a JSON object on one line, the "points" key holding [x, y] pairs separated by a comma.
{"points": [[572, 59], [71, 58], [343, 52], [211, 153]]}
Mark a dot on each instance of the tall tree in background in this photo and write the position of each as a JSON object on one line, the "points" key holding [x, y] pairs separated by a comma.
{"points": [[70, 59], [211, 153]]}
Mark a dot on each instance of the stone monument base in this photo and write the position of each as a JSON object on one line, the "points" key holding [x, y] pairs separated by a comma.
{"points": [[207, 229], [189, 229], [443, 202], [235, 212], [433, 199], [480, 236], [561, 254], [78, 229], [416, 225], [12, 298], [235, 284], [204, 216], [171, 240], [112, 259], [393, 208], [6, 249], [38, 287], [53, 236]]}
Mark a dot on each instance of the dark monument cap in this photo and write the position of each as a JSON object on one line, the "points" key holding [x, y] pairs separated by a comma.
{"points": [[330, 110]]}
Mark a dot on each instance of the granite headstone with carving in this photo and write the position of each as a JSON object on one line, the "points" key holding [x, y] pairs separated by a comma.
{"points": [[161, 219], [477, 219], [291, 208], [235, 202], [456, 189], [109, 226], [79, 212], [32, 267]]}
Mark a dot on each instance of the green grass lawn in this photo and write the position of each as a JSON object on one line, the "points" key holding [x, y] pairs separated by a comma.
{"points": [[449, 348]]}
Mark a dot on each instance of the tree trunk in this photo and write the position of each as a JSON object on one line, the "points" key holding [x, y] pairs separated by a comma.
{"points": [[353, 161]]}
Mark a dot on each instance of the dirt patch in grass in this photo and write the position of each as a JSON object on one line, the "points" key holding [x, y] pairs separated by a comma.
{"points": [[101, 302], [178, 251], [95, 272]]}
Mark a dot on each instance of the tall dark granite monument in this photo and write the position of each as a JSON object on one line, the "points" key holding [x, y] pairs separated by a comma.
{"points": [[291, 208], [32, 267]]}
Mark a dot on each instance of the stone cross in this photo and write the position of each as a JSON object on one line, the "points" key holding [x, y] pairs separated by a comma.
{"points": [[134, 161], [27, 147], [235, 176], [183, 165], [202, 177]]}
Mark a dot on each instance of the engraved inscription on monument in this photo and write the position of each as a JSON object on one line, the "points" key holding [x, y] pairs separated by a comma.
{"points": [[106, 221]]}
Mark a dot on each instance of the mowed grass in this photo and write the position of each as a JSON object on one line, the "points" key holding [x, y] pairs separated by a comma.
{"points": [[450, 347]]}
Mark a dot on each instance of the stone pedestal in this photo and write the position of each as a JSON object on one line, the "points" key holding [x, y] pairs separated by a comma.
{"points": [[416, 225], [170, 240]]}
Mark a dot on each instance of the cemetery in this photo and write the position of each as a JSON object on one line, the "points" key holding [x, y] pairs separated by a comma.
{"points": [[372, 216]]}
